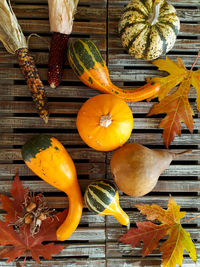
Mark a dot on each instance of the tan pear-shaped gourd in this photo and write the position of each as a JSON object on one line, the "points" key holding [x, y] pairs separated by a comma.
{"points": [[136, 168]]}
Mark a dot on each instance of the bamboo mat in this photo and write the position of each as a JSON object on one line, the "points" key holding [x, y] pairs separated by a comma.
{"points": [[95, 242]]}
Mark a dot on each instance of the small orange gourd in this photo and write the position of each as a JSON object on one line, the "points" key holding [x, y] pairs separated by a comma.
{"points": [[105, 122], [48, 159]]}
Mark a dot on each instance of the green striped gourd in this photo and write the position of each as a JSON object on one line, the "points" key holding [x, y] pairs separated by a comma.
{"points": [[86, 61], [148, 28], [102, 197]]}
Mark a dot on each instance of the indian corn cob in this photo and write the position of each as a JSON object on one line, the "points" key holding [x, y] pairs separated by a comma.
{"points": [[14, 41], [61, 14]]}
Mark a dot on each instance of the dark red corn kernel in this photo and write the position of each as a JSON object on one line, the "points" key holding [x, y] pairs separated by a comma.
{"points": [[57, 58]]}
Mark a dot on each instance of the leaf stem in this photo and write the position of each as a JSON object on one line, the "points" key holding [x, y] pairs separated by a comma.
{"points": [[191, 218], [23, 263], [195, 61]]}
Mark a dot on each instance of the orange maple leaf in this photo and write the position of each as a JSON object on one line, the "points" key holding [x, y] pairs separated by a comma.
{"points": [[155, 212], [175, 105], [147, 232], [150, 234]]}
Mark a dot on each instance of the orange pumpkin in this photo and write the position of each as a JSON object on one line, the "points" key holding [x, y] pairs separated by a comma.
{"points": [[105, 122]]}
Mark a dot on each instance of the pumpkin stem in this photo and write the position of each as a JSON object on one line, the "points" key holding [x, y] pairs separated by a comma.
{"points": [[105, 120], [153, 17]]}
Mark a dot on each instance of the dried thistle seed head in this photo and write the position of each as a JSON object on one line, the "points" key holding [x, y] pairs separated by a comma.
{"points": [[35, 210]]}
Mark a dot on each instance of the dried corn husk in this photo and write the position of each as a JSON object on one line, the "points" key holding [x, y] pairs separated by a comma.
{"points": [[11, 33], [61, 14]]}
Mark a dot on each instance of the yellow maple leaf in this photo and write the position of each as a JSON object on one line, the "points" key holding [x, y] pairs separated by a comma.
{"points": [[150, 234], [173, 212], [173, 248], [177, 73], [176, 105], [169, 216]]}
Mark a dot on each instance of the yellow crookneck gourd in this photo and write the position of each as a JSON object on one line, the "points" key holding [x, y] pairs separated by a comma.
{"points": [[48, 159], [102, 197]]}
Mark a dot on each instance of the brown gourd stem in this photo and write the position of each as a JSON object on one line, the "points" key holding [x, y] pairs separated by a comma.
{"points": [[174, 155], [153, 18]]}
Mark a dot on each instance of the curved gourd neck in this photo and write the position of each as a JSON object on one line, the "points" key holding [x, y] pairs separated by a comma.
{"points": [[74, 212], [122, 217], [113, 88], [153, 17], [116, 211]]}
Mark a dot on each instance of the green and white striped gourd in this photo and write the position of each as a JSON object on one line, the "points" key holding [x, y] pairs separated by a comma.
{"points": [[148, 28], [102, 197]]}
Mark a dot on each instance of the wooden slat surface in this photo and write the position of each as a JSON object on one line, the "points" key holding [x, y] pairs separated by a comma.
{"points": [[60, 262], [68, 91], [189, 15], [90, 154], [67, 107], [95, 242], [9, 139], [41, 12], [162, 186]]}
